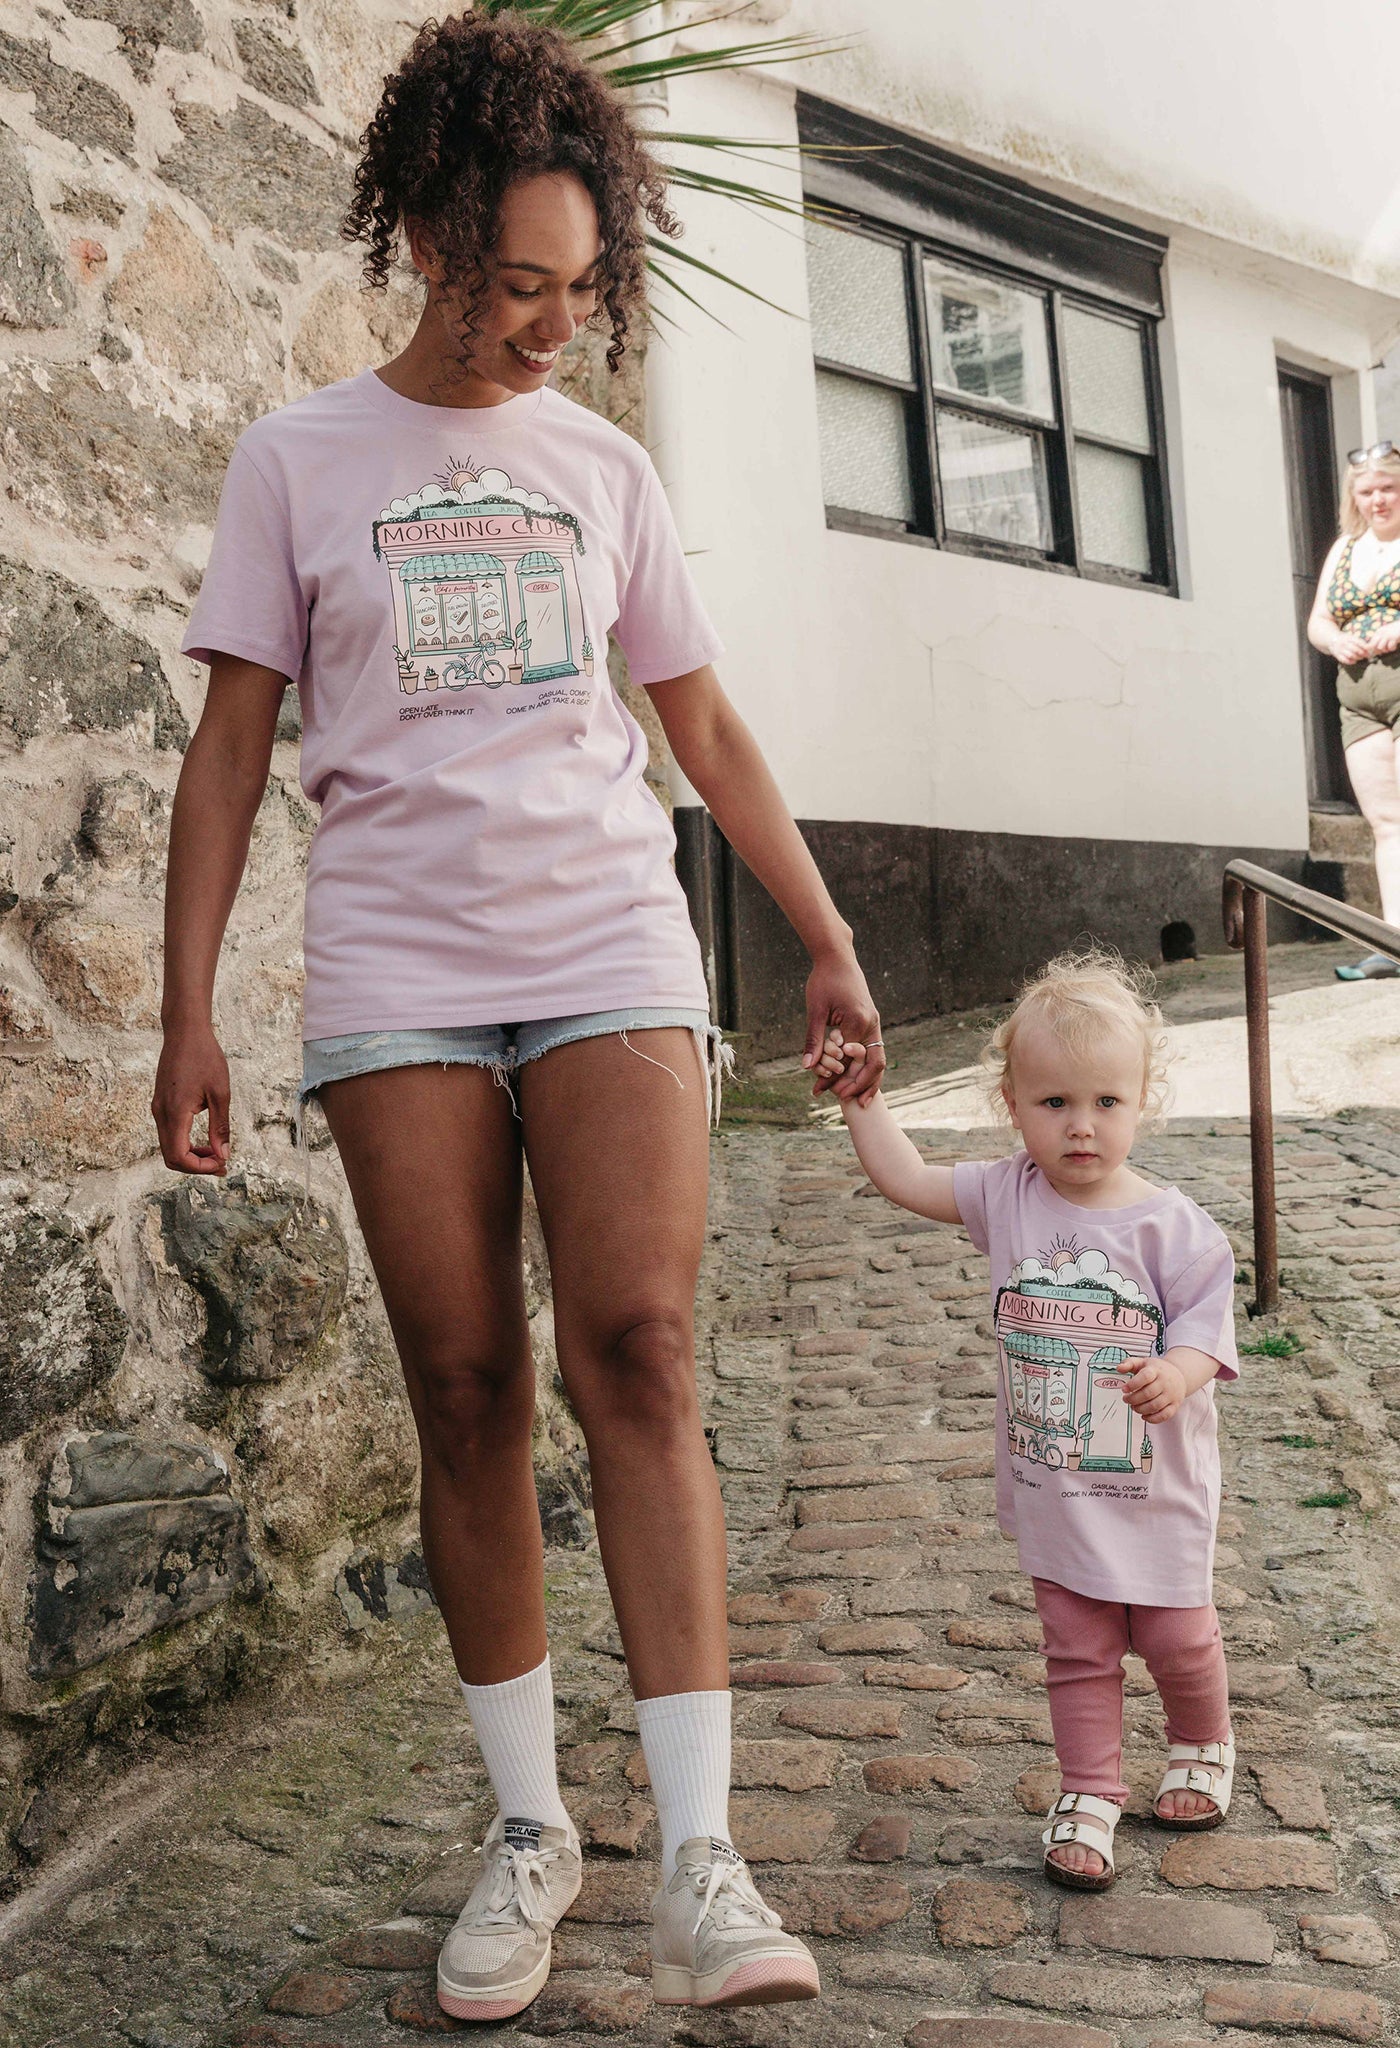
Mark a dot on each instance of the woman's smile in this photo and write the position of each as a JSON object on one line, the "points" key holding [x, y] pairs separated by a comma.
{"points": [[539, 360]]}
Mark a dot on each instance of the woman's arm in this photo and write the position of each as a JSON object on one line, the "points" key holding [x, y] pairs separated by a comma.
{"points": [[1323, 630], [720, 758], [216, 800], [894, 1164]]}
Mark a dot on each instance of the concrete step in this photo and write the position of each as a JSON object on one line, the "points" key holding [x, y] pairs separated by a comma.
{"points": [[1339, 835], [1341, 859]]}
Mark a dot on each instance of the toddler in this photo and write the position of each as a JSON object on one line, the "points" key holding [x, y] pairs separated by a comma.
{"points": [[1113, 1307]]}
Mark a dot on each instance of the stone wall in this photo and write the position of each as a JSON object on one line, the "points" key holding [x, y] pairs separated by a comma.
{"points": [[205, 1454]]}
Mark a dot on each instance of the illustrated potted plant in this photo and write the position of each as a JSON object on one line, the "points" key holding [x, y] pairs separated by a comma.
{"points": [[587, 656], [516, 670], [1080, 1449], [408, 674]]}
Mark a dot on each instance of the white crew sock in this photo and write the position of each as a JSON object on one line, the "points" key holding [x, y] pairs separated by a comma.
{"points": [[514, 1725], [686, 1742]]}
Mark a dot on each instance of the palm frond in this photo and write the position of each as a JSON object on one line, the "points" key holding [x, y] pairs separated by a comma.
{"points": [[756, 197], [579, 19], [662, 272], [671, 254], [734, 57]]}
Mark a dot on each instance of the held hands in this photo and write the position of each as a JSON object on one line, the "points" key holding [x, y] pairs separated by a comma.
{"points": [[1384, 642], [844, 1049], [839, 1056], [1156, 1389]]}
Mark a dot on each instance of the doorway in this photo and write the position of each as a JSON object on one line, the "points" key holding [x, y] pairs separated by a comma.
{"points": [[1310, 463]]}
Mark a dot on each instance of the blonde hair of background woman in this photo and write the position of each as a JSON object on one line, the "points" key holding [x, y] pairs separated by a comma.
{"points": [[1084, 997], [1352, 519]]}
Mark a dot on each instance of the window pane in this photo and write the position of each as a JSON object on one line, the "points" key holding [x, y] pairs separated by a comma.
{"points": [[860, 311], [864, 447], [994, 482], [1107, 382], [988, 341], [1112, 508]]}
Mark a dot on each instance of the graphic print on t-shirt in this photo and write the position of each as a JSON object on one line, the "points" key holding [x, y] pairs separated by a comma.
{"points": [[1066, 1323], [484, 583]]}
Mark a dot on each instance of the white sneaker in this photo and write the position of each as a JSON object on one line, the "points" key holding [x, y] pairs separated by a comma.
{"points": [[496, 1959], [714, 1942]]}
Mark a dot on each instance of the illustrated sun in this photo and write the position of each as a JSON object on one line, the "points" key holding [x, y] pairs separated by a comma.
{"points": [[1063, 1252], [456, 474]]}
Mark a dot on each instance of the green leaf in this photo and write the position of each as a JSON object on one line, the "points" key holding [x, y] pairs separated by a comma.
{"points": [[674, 255], [736, 57], [662, 272]]}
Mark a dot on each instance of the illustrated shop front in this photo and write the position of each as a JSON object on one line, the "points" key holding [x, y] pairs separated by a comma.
{"points": [[489, 598]]}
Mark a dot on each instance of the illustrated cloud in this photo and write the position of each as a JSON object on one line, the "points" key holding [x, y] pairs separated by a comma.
{"points": [[492, 483], [1091, 1268]]}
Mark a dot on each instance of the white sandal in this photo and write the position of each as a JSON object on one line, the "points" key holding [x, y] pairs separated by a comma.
{"points": [[1080, 1817], [1204, 1767]]}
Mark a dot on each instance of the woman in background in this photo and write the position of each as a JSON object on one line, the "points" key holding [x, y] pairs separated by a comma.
{"points": [[1356, 619]]}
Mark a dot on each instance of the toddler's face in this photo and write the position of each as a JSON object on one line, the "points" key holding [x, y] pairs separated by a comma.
{"points": [[1078, 1113]]}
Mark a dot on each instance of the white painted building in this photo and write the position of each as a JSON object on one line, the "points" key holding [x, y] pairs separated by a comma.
{"points": [[1004, 512]]}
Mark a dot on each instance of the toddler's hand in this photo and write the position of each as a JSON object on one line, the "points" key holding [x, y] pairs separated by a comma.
{"points": [[836, 1054], [1156, 1389]]}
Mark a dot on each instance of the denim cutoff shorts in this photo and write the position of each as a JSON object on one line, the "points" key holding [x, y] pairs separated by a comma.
{"points": [[504, 1048]]}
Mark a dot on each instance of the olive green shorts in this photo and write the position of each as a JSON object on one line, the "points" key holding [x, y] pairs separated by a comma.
{"points": [[1369, 694]]}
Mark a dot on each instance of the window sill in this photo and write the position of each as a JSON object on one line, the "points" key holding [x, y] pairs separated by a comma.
{"points": [[1020, 558]]}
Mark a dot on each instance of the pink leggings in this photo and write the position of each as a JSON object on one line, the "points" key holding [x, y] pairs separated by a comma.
{"points": [[1085, 1643]]}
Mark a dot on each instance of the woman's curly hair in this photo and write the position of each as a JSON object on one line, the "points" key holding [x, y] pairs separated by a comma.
{"points": [[479, 101]]}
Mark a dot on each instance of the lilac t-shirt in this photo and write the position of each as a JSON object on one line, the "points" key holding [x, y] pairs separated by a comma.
{"points": [[1097, 1500], [440, 583]]}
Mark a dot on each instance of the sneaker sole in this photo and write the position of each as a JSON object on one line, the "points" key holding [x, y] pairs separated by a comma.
{"points": [[499, 2003], [767, 1980]]}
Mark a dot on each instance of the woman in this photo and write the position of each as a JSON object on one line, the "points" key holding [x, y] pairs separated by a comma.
{"points": [[431, 551], [1356, 619]]}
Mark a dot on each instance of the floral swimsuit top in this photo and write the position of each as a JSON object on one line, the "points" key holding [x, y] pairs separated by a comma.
{"points": [[1359, 611]]}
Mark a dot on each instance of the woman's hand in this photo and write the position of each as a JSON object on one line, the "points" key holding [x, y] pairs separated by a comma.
{"points": [[1384, 642], [1349, 648], [839, 1004], [192, 1075]]}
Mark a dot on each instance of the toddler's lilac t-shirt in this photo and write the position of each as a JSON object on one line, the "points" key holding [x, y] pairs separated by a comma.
{"points": [[1097, 1500], [440, 583]]}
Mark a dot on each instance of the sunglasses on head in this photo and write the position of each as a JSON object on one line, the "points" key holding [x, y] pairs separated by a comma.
{"points": [[1359, 457]]}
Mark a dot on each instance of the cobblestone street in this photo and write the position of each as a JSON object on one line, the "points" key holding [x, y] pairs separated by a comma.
{"points": [[286, 1880]]}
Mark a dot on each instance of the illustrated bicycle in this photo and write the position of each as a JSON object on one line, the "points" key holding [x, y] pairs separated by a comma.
{"points": [[1029, 1442], [478, 668]]}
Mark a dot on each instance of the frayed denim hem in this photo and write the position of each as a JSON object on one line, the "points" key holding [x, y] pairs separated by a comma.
{"points": [[715, 1056]]}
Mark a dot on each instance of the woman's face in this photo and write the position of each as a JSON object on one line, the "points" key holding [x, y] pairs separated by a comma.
{"points": [[1377, 494], [544, 283]]}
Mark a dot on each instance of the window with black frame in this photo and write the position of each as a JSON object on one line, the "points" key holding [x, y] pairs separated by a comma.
{"points": [[989, 411]]}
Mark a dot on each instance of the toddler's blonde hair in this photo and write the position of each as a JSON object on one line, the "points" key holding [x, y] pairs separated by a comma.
{"points": [[1084, 997]]}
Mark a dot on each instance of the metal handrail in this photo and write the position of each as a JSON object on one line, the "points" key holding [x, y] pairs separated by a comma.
{"points": [[1246, 918]]}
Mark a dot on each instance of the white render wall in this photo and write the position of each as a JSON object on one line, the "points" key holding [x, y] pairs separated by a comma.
{"points": [[890, 682], [1264, 121]]}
